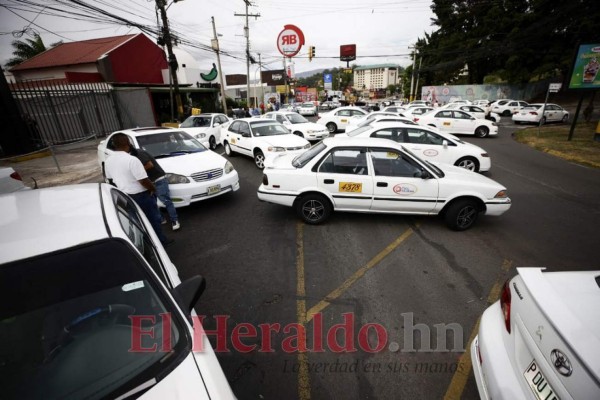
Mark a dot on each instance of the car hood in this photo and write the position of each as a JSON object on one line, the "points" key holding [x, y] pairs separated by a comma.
{"points": [[461, 179], [187, 164], [280, 161], [196, 130], [288, 140]]}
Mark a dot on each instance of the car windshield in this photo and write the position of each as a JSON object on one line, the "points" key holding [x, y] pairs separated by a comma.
{"points": [[196, 122], [308, 105], [169, 144], [86, 322], [268, 128], [358, 131], [296, 118], [301, 160]]}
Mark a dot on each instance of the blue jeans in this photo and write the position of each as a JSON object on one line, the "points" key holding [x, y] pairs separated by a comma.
{"points": [[147, 203], [163, 194]]}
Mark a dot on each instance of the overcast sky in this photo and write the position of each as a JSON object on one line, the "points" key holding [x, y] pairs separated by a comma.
{"points": [[382, 30]]}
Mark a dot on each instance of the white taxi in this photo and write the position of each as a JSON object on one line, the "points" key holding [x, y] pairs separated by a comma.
{"points": [[540, 340], [508, 107], [299, 125], [308, 108], [93, 306], [532, 114], [260, 138], [194, 173], [429, 144], [205, 128], [376, 176], [458, 122], [339, 118]]}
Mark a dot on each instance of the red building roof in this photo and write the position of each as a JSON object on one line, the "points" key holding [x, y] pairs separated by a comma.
{"points": [[83, 52]]}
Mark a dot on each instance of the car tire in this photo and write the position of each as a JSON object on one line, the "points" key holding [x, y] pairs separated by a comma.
{"points": [[565, 118], [468, 163], [313, 208], [543, 121], [104, 173], [482, 131], [228, 150], [212, 143], [506, 113], [259, 159], [298, 133], [331, 127], [461, 214]]}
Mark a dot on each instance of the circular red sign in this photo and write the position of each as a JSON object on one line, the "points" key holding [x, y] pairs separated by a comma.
{"points": [[290, 40]]}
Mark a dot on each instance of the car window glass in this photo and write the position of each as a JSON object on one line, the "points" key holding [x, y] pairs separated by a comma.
{"points": [[244, 128], [391, 162], [132, 225], [280, 118], [424, 137], [346, 161], [444, 114], [343, 113], [461, 115], [359, 113], [188, 123], [234, 127]]}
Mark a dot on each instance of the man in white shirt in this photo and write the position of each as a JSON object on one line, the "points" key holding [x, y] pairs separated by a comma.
{"points": [[129, 175]]}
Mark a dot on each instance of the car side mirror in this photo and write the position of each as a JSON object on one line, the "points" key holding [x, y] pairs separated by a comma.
{"points": [[445, 144], [472, 118], [423, 174], [188, 292], [217, 124], [245, 134]]}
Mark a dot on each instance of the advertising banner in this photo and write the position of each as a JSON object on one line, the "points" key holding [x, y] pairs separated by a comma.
{"points": [[585, 68], [328, 81]]}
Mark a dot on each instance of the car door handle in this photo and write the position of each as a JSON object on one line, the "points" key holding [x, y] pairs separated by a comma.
{"points": [[328, 181], [382, 184]]}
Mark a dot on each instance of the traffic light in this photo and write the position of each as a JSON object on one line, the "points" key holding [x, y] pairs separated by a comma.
{"points": [[311, 52]]}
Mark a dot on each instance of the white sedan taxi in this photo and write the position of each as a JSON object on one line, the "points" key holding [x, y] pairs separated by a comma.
{"points": [[375, 176], [205, 128], [308, 108], [358, 120], [193, 172], [93, 307], [429, 144], [508, 107], [261, 138], [339, 118], [532, 114], [475, 111], [299, 125], [458, 122], [540, 340]]}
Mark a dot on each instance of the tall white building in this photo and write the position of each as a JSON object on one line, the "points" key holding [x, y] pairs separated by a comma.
{"points": [[376, 77]]}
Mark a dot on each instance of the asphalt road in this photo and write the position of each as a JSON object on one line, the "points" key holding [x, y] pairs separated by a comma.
{"points": [[411, 276]]}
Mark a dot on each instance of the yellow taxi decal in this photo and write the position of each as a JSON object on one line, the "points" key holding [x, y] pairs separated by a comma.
{"points": [[350, 187], [343, 120], [232, 141], [446, 123]]}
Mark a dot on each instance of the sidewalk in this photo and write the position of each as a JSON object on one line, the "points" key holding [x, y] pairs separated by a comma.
{"points": [[78, 162]]}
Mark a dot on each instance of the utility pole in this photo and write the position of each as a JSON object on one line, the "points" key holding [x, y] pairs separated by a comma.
{"points": [[215, 46], [262, 89], [247, 35], [412, 79], [418, 76], [160, 4]]}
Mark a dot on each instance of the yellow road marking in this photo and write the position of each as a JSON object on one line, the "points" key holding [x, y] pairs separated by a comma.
{"points": [[463, 370], [356, 276], [303, 376]]}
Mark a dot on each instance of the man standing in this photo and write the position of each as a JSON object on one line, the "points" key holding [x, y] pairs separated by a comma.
{"points": [[128, 173], [157, 175]]}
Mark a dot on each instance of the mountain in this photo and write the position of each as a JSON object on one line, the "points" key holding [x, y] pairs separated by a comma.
{"points": [[307, 74]]}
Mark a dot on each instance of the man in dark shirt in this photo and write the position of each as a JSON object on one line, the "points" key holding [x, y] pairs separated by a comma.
{"points": [[157, 176]]}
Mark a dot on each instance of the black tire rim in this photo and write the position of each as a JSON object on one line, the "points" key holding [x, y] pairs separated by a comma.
{"points": [[259, 159], [466, 216], [331, 127], [313, 210]]}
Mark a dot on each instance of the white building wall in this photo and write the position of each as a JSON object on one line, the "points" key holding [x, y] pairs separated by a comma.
{"points": [[53, 73]]}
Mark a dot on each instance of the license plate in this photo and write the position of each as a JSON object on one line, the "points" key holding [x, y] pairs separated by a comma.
{"points": [[213, 189], [538, 383]]}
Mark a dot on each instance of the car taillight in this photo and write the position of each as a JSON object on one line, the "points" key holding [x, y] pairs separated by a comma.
{"points": [[15, 175], [416, 119], [505, 304], [533, 113], [265, 180]]}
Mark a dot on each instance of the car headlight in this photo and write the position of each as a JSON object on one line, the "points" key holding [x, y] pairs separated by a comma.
{"points": [[306, 146], [175, 178], [275, 149], [311, 131], [485, 155], [501, 194], [201, 136], [228, 167]]}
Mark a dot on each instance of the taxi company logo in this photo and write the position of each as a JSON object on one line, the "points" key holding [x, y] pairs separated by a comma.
{"points": [[561, 363], [405, 189], [430, 153]]}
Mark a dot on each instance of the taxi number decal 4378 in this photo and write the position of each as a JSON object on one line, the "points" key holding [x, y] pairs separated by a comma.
{"points": [[350, 187]]}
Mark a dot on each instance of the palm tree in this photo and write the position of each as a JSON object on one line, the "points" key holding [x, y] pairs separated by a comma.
{"points": [[24, 50]]}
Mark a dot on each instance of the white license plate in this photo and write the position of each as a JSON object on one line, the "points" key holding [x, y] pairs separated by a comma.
{"points": [[538, 383], [213, 189]]}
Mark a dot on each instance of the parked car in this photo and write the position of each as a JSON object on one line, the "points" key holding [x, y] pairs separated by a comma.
{"points": [[420, 103], [339, 118], [371, 120], [299, 125], [93, 307], [193, 172], [481, 103], [533, 114], [375, 176], [357, 119], [205, 128], [396, 109], [11, 181], [415, 112], [429, 144], [308, 108], [458, 122], [260, 138], [509, 107], [476, 111], [540, 340]]}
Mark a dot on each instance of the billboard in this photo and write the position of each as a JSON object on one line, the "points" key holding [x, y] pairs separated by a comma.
{"points": [[584, 74], [328, 81], [348, 52]]}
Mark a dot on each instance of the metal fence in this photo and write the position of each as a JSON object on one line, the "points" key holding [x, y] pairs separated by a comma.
{"points": [[63, 113]]}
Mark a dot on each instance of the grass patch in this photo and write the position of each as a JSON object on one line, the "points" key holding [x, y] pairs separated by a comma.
{"points": [[552, 139]]}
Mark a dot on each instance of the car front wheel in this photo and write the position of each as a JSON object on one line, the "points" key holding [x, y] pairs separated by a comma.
{"points": [[461, 214], [469, 163], [331, 127], [482, 131], [212, 143], [228, 149], [565, 118], [259, 159], [298, 133], [313, 208]]}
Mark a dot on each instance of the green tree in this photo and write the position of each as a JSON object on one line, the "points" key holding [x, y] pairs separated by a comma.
{"points": [[24, 50]]}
